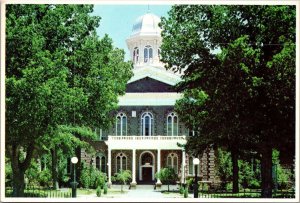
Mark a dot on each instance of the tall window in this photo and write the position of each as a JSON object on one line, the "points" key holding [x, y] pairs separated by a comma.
{"points": [[172, 161], [121, 124], [147, 124], [148, 54], [172, 124], [121, 162], [135, 55], [100, 162]]}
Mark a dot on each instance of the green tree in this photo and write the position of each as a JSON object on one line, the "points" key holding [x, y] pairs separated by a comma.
{"points": [[59, 73], [123, 176], [239, 77], [167, 176]]}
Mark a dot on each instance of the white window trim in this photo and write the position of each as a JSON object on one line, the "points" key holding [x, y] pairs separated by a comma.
{"points": [[121, 160], [172, 161], [121, 124], [151, 123], [172, 123], [147, 59]]}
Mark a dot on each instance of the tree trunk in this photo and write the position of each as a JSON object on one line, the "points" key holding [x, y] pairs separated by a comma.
{"points": [[54, 169], [19, 168], [235, 171], [18, 183], [266, 173]]}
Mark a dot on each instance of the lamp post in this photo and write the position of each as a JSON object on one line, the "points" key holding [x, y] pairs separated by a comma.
{"points": [[196, 162], [74, 161]]}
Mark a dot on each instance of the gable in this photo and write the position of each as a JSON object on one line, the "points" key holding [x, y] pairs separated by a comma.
{"points": [[148, 84]]}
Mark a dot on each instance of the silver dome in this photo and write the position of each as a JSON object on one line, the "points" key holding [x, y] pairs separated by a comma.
{"points": [[146, 25]]}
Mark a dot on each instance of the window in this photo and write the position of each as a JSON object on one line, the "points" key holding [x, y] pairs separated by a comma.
{"points": [[148, 54], [172, 161], [121, 162], [98, 131], [147, 124], [135, 55], [121, 124], [172, 124], [100, 162]]}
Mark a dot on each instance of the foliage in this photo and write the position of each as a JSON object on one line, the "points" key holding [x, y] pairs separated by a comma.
{"points": [[181, 190], [167, 176], [239, 76], [58, 69], [123, 176], [186, 193], [91, 177], [284, 176], [105, 189], [98, 191]]}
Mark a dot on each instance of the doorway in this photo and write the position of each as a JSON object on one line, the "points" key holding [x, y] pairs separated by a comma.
{"points": [[147, 174]]}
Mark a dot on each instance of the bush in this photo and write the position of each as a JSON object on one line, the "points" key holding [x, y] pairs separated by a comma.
{"points": [[186, 193], [167, 176], [98, 192], [181, 190], [105, 189]]}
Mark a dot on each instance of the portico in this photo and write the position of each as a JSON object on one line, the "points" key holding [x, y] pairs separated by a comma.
{"points": [[149, 158]]}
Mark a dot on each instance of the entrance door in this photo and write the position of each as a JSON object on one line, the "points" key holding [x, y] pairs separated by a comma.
{"points": [[147, 174]]}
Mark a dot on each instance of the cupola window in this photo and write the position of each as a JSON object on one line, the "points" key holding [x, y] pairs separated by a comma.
{"points": [[135, 55], [148, 54]]}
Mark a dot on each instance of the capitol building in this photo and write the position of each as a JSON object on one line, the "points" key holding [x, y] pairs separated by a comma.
{"points": [[147, 132]]}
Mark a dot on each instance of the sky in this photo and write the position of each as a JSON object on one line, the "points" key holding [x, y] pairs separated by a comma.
{"points": [[117, 20]]}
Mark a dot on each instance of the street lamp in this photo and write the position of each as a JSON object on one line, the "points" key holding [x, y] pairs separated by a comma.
{"points": [[74, 161], [196, 162]]}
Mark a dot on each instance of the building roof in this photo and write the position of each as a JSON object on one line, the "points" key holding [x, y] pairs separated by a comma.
{"points": [[156, 73], [146, 24], [149, 99]]}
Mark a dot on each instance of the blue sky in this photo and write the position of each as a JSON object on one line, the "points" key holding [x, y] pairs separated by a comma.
{"points": [[117, 20]]}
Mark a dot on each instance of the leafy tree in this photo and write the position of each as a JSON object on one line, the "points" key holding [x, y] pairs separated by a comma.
{"points": [[123, 176], [59, 73], [167, 176], [239, 77]]}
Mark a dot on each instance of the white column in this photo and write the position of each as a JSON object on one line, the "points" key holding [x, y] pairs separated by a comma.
{"points": [[158, 166], [109, 166], [133, 167], [183, 167]]}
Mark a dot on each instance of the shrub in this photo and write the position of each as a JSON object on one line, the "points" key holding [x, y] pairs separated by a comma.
{"points": [[181, 190], [186, 193], [123, 176], [98, 192], [167, 176], [105, 189]]}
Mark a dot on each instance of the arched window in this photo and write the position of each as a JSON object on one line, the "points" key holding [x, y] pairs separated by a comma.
{"points": [[135, 55], [121, 124], [121, 162], [148, 54], [147, 124], [172, 161], [100, 162], [172, 124]]}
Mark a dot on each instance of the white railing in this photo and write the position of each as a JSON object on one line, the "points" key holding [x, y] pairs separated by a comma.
{"points": [[158, 137]]}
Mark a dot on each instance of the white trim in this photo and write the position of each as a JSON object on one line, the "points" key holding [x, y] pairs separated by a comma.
{"points": [[155, 73], [151, 123], [145, 166], [149, 99], [172, 123], [121, 124], [121, 160]]}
